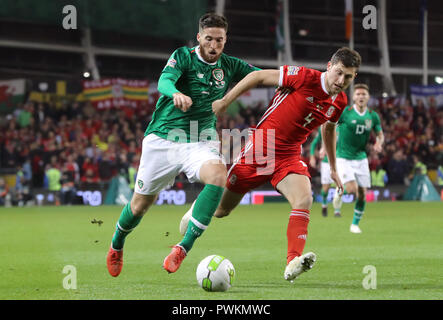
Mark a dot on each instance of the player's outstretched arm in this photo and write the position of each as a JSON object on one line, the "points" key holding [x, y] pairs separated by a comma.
{"points": [[166, 86], [252, 80], [379, 140], [329, 142]]}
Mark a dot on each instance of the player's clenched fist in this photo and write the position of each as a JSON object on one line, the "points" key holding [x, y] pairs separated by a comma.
{"points": [[219, 106], [182, 101]]}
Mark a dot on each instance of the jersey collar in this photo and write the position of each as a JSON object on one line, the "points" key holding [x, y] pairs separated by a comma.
{"points": [[354, 106], [323, 86], [197, 52]]}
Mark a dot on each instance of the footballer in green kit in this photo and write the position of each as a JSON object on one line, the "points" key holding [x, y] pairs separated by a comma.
{"points": [[354, 129], [182, 138]]}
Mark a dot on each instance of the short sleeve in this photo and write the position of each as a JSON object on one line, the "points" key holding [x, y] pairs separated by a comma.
{"points": [[242, 69], [377, 122], [178, 62], [339, 118], [291, 76]]}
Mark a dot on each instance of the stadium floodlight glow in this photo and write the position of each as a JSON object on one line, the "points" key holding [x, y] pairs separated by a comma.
{"points": [[86, 74], [438, 79]]}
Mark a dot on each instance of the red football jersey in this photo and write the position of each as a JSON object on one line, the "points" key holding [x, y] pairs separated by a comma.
{"points": [[298, 109]]}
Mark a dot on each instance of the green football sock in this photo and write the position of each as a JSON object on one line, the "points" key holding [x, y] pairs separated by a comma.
{"points": [[204, 208], [359, 209], [324, 198], [125, 225]]}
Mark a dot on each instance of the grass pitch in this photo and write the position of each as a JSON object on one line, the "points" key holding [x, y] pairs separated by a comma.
{"points": [[402, 240]]}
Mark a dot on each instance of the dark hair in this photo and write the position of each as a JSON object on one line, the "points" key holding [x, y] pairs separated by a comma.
{"points": [[361, 86], [350, 58], [213, 20]]}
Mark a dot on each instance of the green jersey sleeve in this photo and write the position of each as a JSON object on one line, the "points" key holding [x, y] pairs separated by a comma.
{"points": [[377, 123], [178, 62], [314, 143], [242, 69]]}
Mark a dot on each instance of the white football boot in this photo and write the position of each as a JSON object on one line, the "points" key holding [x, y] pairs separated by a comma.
{"points": [[355, 228], [185, 220], [337, 201], [298, 265]]}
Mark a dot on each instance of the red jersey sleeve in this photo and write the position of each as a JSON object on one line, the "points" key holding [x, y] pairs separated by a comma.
{"points": [[291, 76]]}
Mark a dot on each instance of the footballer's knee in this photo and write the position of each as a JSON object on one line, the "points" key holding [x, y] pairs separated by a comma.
{"points": [[218, 179], [141, 203], [302, 202]]}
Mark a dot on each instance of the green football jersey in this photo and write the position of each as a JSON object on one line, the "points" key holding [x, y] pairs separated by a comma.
{"points": [[314, 143], [354, 130], [203, 83]]}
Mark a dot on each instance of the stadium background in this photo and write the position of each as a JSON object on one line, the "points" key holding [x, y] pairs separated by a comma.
{"points": [[78, 100]]}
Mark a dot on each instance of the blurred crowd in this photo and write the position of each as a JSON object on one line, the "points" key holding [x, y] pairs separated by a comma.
{"points": [[78, 147]]}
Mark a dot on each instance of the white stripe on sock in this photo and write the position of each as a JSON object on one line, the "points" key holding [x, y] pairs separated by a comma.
{"points": [[198, 224]]}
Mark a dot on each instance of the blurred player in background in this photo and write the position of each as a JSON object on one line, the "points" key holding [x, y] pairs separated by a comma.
{"points": [[312, 98], [325, 172], [182, 138], [354, 130]]}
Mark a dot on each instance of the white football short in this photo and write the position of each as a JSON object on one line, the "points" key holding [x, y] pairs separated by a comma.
{"points": [[325, 173], [358, 170], [162, 160]]}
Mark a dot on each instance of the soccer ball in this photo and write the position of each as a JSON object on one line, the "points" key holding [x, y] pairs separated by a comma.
{"points": [[215, 273]]}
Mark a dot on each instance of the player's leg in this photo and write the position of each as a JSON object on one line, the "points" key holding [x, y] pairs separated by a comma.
{"points": [[363, 181], [324, 199], [346, 173], [130, 217], [228, 202], [325, 175], [213, 174], [154, 174], [359, 209], [297, 190]]}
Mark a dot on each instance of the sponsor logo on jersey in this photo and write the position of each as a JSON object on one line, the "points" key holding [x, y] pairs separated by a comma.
{"points": [[293, 70], [310, 99], [368, 124], [330, 111], [233, 179], [218, 74], [171, 63], [140, 184], [200, 75]]}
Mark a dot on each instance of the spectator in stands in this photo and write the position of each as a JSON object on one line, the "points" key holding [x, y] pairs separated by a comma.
{"points": [[398, 168], [5, 195], [419, 168], [105, 167], [378, 177], [67, 186], [90, 178], [53, 176], [22, 187]]}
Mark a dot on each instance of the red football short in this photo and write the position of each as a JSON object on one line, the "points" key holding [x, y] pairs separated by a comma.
{"points": [[244, 177]]}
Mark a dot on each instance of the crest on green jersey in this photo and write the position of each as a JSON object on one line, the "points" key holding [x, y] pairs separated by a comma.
{"points": [[368, 124], [218, 74]]}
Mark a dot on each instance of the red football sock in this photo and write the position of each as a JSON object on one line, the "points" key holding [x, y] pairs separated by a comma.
{"points": [[297, 232]]}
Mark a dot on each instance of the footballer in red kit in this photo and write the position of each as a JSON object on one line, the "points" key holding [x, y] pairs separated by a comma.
{"points": [[293, 113], [306, 99]]}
